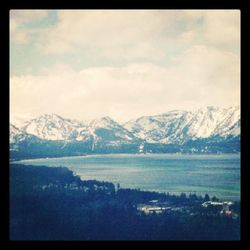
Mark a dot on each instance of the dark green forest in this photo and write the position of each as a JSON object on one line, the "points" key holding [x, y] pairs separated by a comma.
{"points": [[37, 148], [53, 204]]}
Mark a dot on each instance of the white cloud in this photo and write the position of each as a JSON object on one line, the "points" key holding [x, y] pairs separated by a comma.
{"points": [[172, 59], [13, 25], [115, 33], [201, 76], [137, 34], [223, 27], [21, 37]]}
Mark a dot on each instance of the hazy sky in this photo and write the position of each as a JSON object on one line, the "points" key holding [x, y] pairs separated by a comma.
{"points": [[86, 64]]}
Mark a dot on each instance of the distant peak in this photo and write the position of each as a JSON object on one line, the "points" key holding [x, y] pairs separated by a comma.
{"points": [[12, 126], [52, 115], [212, 107], [48, 117], [236, 107], [176, 111], [104, 119]]}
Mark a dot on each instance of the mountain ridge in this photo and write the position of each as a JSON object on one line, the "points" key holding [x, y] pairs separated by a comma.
{"points": [[180, 126], [173, 131]]}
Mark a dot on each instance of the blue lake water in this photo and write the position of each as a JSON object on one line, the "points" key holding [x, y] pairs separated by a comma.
{"points": [[217, 175]]}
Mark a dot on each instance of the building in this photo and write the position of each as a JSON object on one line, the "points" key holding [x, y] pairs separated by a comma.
{"points": [[226, 206], [149, 209]]}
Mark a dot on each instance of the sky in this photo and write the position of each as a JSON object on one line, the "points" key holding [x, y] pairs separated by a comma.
{"points": [[85, 64]]}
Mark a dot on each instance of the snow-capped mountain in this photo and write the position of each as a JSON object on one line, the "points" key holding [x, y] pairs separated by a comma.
{"points": [[54, 127], [100, 131], [209, 129], [107, 131], [180, 126], [15, 133], [20, 120], [19, 138], [54, 136]]}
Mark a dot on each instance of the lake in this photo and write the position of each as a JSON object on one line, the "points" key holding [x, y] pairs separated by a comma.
{"points": [[217, 175]]}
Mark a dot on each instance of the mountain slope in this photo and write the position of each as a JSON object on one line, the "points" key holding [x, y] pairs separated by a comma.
{"points": [[21, 141], [14, 133], [53, 136], [107, 132], [54, 127], [181, 126], [206, 130]]}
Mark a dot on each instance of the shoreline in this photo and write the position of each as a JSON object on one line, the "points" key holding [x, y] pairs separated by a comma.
{"points": [[158, 191], [125, 154]]}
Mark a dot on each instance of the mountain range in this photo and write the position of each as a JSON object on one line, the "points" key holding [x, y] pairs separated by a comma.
{"points": [[205, 130]]}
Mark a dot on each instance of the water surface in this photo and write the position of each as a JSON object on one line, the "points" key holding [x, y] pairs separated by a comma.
{"points": [[217, 175]]}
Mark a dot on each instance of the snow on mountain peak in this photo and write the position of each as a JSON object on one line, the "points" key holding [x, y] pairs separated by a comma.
{"points": [[14, 131], [180, 126], [177, 126], [105, 121], [105, 130], [52, 127], [16, 134]]}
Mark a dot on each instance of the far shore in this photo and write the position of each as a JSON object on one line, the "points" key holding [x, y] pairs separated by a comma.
{"points": [[123, 155]]}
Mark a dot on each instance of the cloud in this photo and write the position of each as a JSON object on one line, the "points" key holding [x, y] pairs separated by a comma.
{"points": [[223, 27], [87, 38], [201, 76], [138, 34], [21, 37], [125, 63], [18, 18], [27, 16], [108, 32], [120, 33]]}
